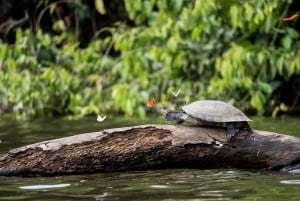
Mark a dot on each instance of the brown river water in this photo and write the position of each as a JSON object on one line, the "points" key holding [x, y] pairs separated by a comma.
{"points": [[167, 185]]}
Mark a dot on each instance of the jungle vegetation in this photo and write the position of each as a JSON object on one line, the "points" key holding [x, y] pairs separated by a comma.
{"points": [[78, 58]]}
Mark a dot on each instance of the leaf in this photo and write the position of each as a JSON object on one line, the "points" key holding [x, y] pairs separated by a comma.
{"points": [[268, 24], [59, 25], [106, 62], [286, 42], [137, 5], [282, 107], [147, 8], [248, 11], [234, 12], [52, 8], [260, 58], [140, 18], [257, 101], [265, 87], [196, 33], [141, 112], [100, 7], [279, 65], [177, 5], [46, 41], [293, 33], [3, 52], [19, 36]]}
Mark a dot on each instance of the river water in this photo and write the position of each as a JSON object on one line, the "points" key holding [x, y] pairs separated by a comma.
{"points": [[170, 184]]}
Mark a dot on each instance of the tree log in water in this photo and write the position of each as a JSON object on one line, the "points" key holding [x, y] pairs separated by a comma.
{"points": [[153, 147]]}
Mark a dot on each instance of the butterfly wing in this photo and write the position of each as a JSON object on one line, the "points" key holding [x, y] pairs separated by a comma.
{"points": [[151, 102], [290, 18], [99, 118]]}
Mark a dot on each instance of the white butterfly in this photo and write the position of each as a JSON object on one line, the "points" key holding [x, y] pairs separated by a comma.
{"points": [[177, 93], [99, 118]]}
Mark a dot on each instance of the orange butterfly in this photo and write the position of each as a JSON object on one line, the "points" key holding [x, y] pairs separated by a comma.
{"points": [[151, 102], [290, 18]]}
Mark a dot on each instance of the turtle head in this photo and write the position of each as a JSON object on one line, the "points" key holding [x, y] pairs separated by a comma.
{"points": [[172, 115]]}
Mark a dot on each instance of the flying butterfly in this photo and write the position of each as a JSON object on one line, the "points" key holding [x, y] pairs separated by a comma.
{"points": [[151, 102], [176, 93], [99, 118], [290, 18]]}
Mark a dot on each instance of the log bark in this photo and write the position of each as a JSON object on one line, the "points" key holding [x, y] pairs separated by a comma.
{"points": [[153, 147]]}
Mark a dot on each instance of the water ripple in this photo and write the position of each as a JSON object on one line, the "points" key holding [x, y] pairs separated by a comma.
{"points": [[39, 187], [290, 182]]}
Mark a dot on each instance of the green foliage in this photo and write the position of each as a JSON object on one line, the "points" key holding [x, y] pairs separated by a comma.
{"points": [[40, 79], [230, 51]]}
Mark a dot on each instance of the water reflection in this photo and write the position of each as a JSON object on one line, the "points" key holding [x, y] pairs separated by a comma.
{"points": [[171, 184], [15, 134], [284, 124], [290, 182], [45, 186]]}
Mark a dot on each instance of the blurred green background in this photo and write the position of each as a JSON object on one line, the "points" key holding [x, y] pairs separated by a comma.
{"points": [[79, 58]]}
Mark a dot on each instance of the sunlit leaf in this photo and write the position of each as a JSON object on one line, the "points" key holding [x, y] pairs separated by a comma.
{"points": [[234, 15], [100, 7], [257, 101], [59, 25], [52, 8], [147, 8], [248, 11]]}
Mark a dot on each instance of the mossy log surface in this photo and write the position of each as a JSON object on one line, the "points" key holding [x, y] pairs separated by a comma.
{"points": [[153, 147]]}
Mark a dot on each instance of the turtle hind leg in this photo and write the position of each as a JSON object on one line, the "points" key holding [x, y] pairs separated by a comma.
{"points": [[246, 126], [232, 129]]}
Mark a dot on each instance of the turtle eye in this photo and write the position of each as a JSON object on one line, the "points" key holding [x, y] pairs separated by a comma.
{"points": [[290, 18], [151, 102]]}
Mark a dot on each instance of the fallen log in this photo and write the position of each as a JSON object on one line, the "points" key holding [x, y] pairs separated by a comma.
{"points": [[152, 147]]}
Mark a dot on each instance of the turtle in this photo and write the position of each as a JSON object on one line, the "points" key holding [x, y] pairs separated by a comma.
{"points": [[210, 113]]}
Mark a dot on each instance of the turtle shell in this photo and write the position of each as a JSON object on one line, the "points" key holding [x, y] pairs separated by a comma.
{"points": [[214, 111]]}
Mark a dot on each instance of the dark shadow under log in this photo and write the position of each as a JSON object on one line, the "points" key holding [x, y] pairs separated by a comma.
{"points": [[153, 147]]}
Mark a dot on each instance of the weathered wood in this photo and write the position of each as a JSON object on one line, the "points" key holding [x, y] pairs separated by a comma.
{"points": [[153, 146]]}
